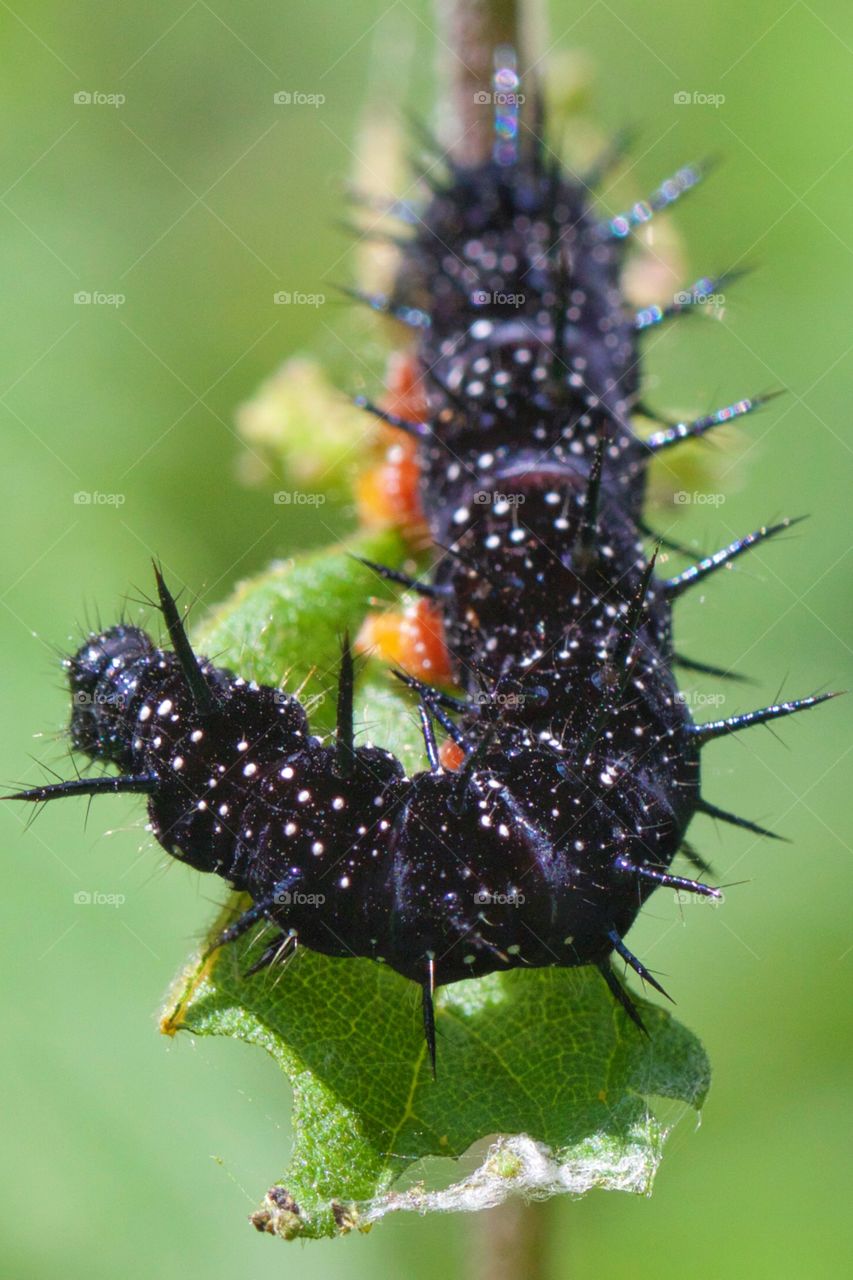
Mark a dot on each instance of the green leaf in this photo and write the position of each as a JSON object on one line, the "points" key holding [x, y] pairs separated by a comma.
{"points": [[543, 1058]]}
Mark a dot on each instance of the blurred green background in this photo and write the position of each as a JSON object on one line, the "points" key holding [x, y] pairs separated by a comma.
{"points": [[197, 199]]}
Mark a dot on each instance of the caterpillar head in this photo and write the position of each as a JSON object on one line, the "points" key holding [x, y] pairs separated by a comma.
{"points": [[101, 676]]}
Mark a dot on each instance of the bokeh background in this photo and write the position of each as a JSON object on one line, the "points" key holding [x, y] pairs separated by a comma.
{"points": [[196, 199]]}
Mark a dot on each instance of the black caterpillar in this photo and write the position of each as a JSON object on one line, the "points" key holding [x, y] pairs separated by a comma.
{"points": [[581, 763]]}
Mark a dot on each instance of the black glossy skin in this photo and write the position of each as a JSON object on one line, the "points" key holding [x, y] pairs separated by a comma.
{"points": [[582, 758], [498, 874]]}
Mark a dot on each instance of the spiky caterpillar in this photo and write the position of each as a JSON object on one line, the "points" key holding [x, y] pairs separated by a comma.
{"points": [[580, 769]]}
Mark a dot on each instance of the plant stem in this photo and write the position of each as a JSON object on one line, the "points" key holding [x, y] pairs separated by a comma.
{"points": [[509, 1242], [469, 31]]}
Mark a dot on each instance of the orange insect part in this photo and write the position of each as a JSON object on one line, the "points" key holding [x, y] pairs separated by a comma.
{"points": [[388, 493], [412, 640], [451, 754], [405, 394]]}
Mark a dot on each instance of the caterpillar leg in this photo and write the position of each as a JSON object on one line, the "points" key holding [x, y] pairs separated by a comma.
{"points": [[621, 995], [256, 912], [428, 1005], [280, 949]]}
